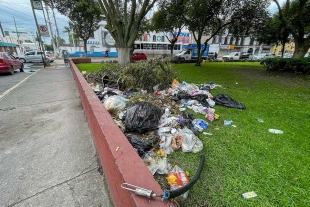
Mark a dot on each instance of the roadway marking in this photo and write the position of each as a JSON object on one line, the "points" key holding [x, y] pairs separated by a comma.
{"points": [[12, 88]]}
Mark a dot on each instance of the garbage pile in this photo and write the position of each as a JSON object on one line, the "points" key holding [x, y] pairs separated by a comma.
{"points": [[159, 123]]}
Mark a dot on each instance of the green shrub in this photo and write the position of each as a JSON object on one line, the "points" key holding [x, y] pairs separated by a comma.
{"points": [[143, 74], [291, 65]]}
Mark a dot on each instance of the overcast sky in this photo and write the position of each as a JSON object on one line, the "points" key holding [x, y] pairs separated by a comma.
{"points": [[21, 11]]}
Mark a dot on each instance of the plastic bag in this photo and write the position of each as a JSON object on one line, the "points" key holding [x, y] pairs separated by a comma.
{"points": [[177, 178], [200, 124], [142, 117], [114, 103], [225, 100], [165, 143], [190, 142], [156, 163], [142, 146]]}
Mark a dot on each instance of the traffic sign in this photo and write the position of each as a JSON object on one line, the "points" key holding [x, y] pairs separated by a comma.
{"points": [[37, 5], [43, 31], [19, 32]]}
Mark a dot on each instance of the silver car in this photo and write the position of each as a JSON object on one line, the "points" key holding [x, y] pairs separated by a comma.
{"points": [[34, 57]]}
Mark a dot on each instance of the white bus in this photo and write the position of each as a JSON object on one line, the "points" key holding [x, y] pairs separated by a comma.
{"points": [[156, 49]]}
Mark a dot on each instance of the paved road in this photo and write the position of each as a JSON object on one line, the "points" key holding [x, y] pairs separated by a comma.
{"points": [[7, 81], [47, 156]]}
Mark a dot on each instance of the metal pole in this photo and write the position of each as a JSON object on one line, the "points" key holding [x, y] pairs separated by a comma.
{"points": [[16, 32], [49, 22], [38, 30], [56, 26]]}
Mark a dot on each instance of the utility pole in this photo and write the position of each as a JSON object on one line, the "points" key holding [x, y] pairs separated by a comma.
{"points": [[38, 32], [56, 26], [16, 32], [49, 22]]}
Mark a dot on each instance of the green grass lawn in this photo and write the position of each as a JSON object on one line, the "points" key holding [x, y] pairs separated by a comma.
{"points": [[248, 157], [89, 67]]}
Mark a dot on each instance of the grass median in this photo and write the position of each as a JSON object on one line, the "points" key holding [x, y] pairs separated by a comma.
{"points": [[248, 157]]}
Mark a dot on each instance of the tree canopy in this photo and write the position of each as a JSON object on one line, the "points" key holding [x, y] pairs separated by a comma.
{"points": [[84, 16], [212, 17], [294, 16], [169, 20]]}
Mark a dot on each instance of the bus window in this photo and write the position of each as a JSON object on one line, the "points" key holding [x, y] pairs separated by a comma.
{"points": [[154, 47], [145, 46], [136, 46], [176, 47], [169, 47], [165, 47], [159, 46]]}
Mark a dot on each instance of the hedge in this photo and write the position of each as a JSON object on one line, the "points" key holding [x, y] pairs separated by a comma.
{"points": [[291, 65]]}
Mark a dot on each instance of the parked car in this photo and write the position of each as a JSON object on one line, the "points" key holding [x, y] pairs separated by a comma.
{"points": [[287, 55], [263, 56], [211, 56], [246, 55], [8, 63], [232, 56], [34, 56], [138, 56], [50, 56]]}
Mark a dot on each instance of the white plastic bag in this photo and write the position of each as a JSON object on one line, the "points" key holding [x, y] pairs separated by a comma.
{"points": [[115, 103], [190, 142]]}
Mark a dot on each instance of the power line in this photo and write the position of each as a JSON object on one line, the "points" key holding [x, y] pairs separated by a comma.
{"points": [[16, 11]]}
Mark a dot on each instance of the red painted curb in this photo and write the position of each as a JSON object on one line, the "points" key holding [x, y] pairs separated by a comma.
{"points": [[119, 166]]}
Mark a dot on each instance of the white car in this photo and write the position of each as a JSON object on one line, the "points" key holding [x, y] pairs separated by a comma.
{"points": [[50, 56], [263, 56], [232, 56], [34, 57]]}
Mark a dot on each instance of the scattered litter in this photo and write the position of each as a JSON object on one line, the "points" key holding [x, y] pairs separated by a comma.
{"points": [[115, 103], [234, 126], [200, 124], [157, 162], [227, 122], [275, 131], [177, 178], [207, 133], [117, 148], [142, 146], [260, 120], [248, 195]]}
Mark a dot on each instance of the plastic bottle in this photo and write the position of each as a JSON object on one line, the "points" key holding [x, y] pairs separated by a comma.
{"points": [[275, 131]]}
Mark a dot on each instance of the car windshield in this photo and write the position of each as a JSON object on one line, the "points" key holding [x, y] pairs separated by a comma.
{"points": [[261, 55], [182, 52], [232, 54]]}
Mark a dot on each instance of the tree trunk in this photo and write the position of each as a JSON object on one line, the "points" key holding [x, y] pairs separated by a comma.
{"points": [[301, 48], [85, 47], [123, 56], [198, 62]]}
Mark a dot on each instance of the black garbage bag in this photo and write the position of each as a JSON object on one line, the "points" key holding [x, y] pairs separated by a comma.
{"points": [[225, 100], [186, 121], [141, 145], [202, 99], [142, 117], [181, 95], [205, 88], [129, 93], [187, 115]]}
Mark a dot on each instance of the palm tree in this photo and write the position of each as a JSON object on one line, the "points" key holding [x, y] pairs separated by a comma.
{"points": [[68, 30]]}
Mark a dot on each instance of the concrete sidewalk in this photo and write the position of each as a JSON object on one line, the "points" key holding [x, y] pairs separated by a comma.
{"points": [[47, 155]]}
